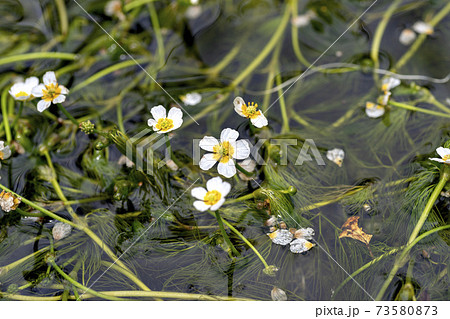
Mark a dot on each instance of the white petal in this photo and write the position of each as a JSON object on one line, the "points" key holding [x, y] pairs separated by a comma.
{"points": [[49, 77], [389, 83], [176, 123], [198, 192], [242, 150], [229, 135], [227, 169], [224, 188], [192, 98], [217, 205], [422, 27], [151, 122], [407, 37], [43, 105], [6, 152], [437, 159], [208, 142], [442, 151], [207, 161], [64, 90], [214, 184], [248, 164], [175, 114], [238, 103], [201, 206], [37, 90], [32, 82], [373, 110], [158, 112], [59, 99], [260, 121]]}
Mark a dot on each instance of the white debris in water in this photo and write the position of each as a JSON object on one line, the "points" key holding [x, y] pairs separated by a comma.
{"points": [[303, 20], [374, 110], [193, 12], [61, 230], [305, 233], [407, 37], [191, 98], [281, 236], [300, 245], [423, 28], [336, 155], [278, 294]]}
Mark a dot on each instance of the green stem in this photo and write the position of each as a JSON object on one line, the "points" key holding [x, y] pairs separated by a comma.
{"points": [[135, 4], [417, 109], [225, 235], [294, 38], [380, 31], [105, 72], [17, 116], [285, 127], [168, 146], [400, 262], [242, 170], [67, 114], [64, 21], [421, 38], [37, 55], [4, 99], [158, 35], [78, 285], [245, 240], [267, 49], [127, 273], [120, 116]]}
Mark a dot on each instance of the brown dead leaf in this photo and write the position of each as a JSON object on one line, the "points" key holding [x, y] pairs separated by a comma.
{"points": [[352, 230]]}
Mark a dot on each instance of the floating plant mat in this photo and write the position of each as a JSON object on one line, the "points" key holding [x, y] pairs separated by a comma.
{"points": [[224, 150]]}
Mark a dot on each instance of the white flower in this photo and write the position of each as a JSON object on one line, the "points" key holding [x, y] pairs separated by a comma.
{"points": [[213, 196], [50, 92], [374, 110], [5, 151], [61, 230], [191, 98], [193, 12], [163, 124], [305, 233], [303, 19], [114, 8], [194, 2], [384, 99], [9, 201], [21, 91], [389, 83], [422, 28], [125, 160], [407, 37], [444, 153], [250, 111], [336, 155], [278, 294], [300, 245], [249, 165], [281, 236], [223, 152]]}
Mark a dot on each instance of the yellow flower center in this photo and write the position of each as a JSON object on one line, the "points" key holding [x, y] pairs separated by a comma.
{"points": [[2, 155], [164, 124], [371, 105], [21, 93], [250, 110], [52, 92], [223, 151], [212, 197], [446, 157]]}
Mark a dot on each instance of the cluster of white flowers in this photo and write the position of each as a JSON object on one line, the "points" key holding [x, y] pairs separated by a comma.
{"points": [[407, 36], [378, 109], [49, 92], [297, 238], [9, 201]]}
